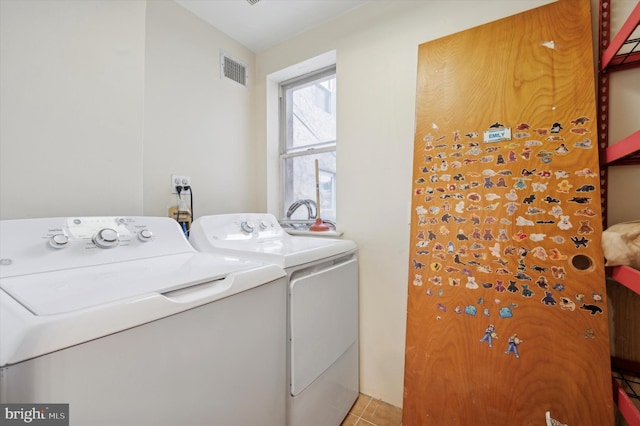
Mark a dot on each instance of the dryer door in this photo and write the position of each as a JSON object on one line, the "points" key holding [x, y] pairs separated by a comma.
{"points": [[323, 319]]}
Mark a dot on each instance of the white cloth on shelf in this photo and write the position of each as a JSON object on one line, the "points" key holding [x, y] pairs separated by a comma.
{"points": [[621, 244]]}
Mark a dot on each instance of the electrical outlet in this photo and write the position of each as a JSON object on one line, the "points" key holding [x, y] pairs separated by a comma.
{"points": [[179, 180]]}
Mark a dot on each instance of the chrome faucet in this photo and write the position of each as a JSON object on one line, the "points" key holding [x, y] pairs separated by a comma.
{"points": [[311, 208]]}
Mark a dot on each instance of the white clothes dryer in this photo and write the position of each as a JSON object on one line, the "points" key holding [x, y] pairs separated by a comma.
{"points": [[123, 320], [322, 351]]}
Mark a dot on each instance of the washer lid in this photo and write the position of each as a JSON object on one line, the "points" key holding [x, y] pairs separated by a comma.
{"points": [[269, 244], [285, 251], [74, 289]]}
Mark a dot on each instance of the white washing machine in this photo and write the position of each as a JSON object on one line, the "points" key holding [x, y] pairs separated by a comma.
{"points": [[322, 355], [123, 320]]}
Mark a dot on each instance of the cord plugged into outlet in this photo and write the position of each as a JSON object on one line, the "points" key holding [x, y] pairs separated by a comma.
{"points": [[179, 180]]}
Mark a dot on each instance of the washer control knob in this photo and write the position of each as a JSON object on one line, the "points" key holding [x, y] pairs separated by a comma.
{"points": [[58, 241], [246, 227], [145, 235], [263, 225], [106, 238]]}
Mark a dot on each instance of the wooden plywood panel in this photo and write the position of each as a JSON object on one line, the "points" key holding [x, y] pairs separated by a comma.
{"points": [[507, 313]]}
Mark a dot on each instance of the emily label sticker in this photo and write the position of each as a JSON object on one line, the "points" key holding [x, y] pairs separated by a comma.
{"points": [[497, 135]]}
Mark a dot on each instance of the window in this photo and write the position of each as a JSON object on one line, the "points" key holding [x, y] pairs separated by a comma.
{"points": [[308, 132]]}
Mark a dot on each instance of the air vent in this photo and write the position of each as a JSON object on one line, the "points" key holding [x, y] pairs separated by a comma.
{"points": [[232, 69], [252, 2]]}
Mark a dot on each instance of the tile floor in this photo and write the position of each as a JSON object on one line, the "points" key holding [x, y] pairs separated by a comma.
{"points": [[367, 411]]}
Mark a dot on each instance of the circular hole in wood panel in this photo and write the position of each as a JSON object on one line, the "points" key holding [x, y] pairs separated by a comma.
{"points": [[582, 262]]}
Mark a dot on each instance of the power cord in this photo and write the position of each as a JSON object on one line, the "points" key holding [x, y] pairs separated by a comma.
{"points": [[179, 190], [188, 188]]}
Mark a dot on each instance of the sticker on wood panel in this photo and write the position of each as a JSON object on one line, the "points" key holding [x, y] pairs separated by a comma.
{"points": [[496, 133], [477, 204], [489, 334], [513, 344]]}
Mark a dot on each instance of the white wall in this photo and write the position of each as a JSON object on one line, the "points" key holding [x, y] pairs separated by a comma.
{"points": [[376, 47], [102, 100], [196, 123], [71, 106]]}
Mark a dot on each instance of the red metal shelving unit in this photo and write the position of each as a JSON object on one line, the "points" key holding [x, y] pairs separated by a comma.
{"points": [[626, 151], [622, 53], [627, 276], [624, 50], [626, 386]]}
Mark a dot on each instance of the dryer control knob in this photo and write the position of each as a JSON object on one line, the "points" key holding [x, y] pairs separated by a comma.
{"points": [[58, 241], [145, 235], [263, 225], [106, 238], [246, 227]]}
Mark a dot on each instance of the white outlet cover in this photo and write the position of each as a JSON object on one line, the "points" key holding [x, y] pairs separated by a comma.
{"points": [[179, 180]]}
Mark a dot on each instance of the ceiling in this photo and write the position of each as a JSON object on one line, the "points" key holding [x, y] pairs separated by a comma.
{"points": [[267, 22]]}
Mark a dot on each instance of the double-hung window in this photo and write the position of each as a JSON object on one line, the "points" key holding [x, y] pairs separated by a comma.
{"points": [[308, 132]]}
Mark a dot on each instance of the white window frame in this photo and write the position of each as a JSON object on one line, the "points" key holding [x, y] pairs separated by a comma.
{"points": [[286, 153]]}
